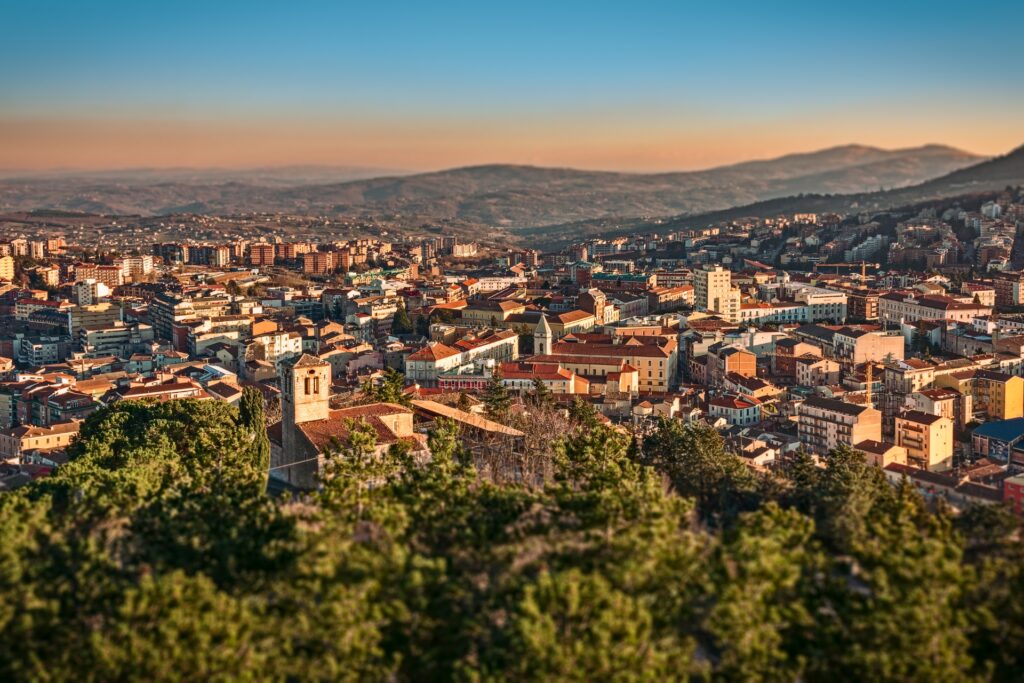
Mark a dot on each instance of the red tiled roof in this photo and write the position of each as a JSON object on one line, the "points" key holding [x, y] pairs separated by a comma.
{"points": [[572, 316], [735, 402], [323, 433], [434, 352], [610, 350]]}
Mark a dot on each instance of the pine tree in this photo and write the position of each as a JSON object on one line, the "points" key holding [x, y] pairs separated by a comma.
{"points": [[401, 324], [423, 325], [541, 395], [390, 390], [497, 400], [583, 413]]}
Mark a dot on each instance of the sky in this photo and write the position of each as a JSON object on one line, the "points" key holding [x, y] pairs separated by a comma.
{"points": [[631, 85]]}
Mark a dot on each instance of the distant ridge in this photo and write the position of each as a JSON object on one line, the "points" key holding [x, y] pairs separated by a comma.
{"points": [[989, 176], [503, 195]]}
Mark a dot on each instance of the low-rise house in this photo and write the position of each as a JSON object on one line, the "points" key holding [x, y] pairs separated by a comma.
{"points": [[737, 410], [18, 441]]}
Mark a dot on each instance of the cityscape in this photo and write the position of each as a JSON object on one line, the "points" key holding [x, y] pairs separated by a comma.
{"points": [[697, 417]]}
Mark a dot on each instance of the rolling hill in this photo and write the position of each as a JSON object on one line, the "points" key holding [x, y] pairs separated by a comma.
{"points": [[988, 176], [509, 196]]}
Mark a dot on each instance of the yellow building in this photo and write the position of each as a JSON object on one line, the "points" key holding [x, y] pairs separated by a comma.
{"points": [[927, 438], [559, 324], [713, 292], [7, 268], [996, 394], [1001, 396], [491, 312], [16, 441], [654, 359], [882, 454], [95, 316]]}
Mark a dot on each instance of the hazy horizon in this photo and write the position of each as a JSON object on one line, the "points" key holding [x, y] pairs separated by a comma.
{"points": [[384, 172], [655, 87]]}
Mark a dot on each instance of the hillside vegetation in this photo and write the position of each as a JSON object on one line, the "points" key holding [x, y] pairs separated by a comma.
{"points": [[157, 555]]}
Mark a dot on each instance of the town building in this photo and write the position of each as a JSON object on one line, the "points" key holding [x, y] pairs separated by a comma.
{"points": [[824, 423]]}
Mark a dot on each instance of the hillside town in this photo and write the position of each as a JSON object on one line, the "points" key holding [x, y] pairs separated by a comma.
{"points": [[901, 336]]}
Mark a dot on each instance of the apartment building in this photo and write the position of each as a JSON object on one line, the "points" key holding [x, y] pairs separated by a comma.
{"points": [[927, 439], [824, 423], [134, 268], [944, 402], [17, 441], [908, 376], [853, 346], [812, 371], [318, 263], [655, 359], [1000, 395], [261, 254], [722, 359], [118, 339], [166, 309], [786, 352], [713, 292], [100, 314], [7, 268], [425, 365], [897, 307], [111, 276], [997, 395], [821, 303]]}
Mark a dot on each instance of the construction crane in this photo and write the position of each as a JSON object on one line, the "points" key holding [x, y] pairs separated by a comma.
{"points": [[868, 381], [862, 265]]}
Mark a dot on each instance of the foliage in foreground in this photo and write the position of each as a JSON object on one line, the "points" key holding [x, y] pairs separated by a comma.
{"points": [[156, 555]]}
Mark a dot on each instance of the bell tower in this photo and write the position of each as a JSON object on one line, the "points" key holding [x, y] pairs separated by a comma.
{"points": [[306, 391], [542, 337]]}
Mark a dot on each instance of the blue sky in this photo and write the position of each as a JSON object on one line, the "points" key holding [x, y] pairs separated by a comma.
{"points": [[612, 76]]}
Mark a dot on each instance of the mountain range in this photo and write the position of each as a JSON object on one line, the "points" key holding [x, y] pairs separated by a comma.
{"points": [[507, 196], [987, 177]]}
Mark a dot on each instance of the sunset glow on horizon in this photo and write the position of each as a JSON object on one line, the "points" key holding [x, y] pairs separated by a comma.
{"points": [[402, 86]]}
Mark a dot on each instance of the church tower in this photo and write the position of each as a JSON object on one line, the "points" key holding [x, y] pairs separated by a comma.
{"points": [[305, 397], [542, 337], [306, 390]]}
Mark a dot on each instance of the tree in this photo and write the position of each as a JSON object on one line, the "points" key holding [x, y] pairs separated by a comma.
{"points": [[391, 389], [497, 399], [464, 402], [401, 324], [759, 612], [541, 395], [994, 600], [155, 552], [572, 626], [251, 418], [583, 414], [423, 325], [695, 460]]}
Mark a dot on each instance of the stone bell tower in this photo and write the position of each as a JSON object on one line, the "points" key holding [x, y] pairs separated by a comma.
{"points": [[542, 337], [305, 397]]}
